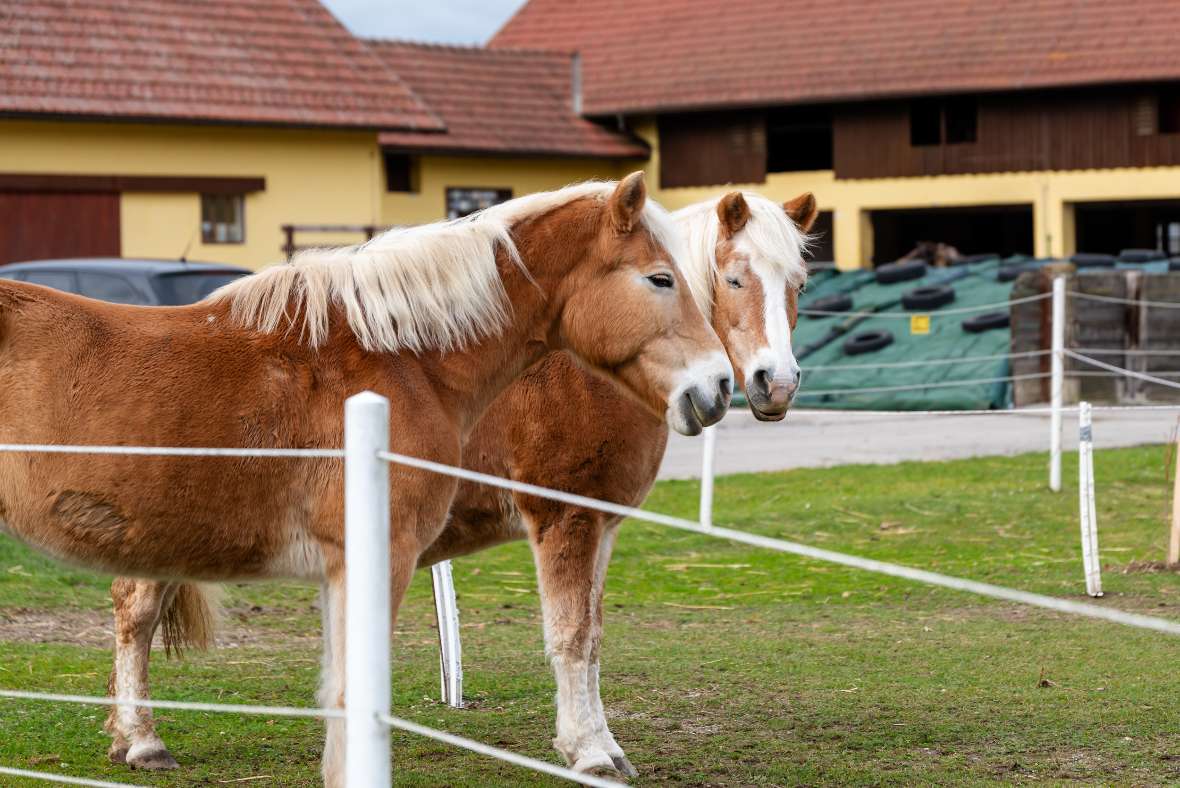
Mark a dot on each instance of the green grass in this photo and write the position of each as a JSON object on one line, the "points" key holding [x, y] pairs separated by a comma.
{"points": [[723, 665]]}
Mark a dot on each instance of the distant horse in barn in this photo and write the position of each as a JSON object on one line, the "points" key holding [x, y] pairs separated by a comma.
{"points": [[561, 426], [440, 319]]}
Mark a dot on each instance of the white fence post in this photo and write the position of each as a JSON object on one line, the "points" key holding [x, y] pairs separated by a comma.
{"points": [[368, 761], [450, 649], [1056, 382], [1088, 516], [708, 453]]}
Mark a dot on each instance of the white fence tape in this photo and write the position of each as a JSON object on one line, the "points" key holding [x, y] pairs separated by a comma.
{"points": [[63, 779]]}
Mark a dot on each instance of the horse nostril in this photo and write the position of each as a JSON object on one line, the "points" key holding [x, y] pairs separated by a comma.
{"points": [[726, 386], [762, 381]]}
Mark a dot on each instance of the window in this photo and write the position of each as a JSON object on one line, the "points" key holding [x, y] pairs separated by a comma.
{"points": [[952, 121], [1169, 110], [109, 287], [465, 200], [961, 119], [58, 280], [223, 219], [401, 172], [798, 140], [925, 123], [190, 287]]}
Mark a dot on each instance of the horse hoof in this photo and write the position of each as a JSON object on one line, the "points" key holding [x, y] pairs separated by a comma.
{"points": [[118, 751], [597, 763], [624, 766], [154, 760]]}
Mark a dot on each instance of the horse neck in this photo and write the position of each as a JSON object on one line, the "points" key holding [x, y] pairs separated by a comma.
{"points": [[550, 246]]}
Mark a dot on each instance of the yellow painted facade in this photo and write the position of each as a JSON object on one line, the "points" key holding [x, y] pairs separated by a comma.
{"points": [[1051, 194], [312, 176], [520, 175]]}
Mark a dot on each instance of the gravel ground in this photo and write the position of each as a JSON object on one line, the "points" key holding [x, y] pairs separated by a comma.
{"points": [[821, 438]]}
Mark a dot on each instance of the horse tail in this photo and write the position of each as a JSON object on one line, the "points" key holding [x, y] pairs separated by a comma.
{"points": [[190, 620]]}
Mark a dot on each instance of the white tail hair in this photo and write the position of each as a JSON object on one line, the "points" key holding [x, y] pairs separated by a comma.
{"points": [[430, 287], [772, 233]]}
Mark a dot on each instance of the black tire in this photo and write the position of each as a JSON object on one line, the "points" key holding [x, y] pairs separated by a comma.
{"points": [[902, 271], [986, 322], [1087, 260], [972, 259], [924, 298], [867, 342], [1141, 256], [837, 302], [1009, 273]]}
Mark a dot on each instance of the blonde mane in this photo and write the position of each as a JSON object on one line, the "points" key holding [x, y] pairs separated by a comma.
{"points": [[430, 287], [776, 238]]}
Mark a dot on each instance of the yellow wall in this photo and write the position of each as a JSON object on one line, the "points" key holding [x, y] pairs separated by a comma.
{"points": [[1052, 195], [521, 175], [312, 177]]}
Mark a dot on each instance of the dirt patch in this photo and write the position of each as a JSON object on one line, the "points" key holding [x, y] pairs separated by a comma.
{"points": [[1148, 568], [95, 628]]}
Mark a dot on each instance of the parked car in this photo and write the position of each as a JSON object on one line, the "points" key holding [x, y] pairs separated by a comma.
{"points": [[148, 282]]}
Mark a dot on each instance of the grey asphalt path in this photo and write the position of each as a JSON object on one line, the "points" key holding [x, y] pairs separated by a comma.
{"points": [[819, 438]]}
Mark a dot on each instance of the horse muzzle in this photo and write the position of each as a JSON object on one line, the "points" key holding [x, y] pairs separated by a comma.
{"points": [[703, 399], [771, 396]]}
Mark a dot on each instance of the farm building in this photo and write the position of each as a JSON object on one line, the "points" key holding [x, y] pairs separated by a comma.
{"points": [[236, 131], [1037, 128], [165, 129]]}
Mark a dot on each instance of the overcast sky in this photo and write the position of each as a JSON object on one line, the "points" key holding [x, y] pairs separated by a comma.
{"points": [[440, 21]]}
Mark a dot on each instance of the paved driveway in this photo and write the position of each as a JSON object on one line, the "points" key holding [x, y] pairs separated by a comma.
{"points": [[819, 438]]}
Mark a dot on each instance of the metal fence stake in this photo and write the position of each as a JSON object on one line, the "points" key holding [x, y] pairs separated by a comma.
{"points": [[450, 648], [1087, 515], [1056, 383], [708, 454], [368, 761]]}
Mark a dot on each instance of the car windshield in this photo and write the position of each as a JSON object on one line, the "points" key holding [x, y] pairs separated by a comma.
{"points": [[187, 287]]}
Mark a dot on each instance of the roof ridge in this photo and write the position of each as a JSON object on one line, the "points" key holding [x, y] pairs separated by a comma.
{"points": [[466, 48]]}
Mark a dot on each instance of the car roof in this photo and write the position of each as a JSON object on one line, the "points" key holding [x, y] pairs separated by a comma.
{"points": [[125, 265]]}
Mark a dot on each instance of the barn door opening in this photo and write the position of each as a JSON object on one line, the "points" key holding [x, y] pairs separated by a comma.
{"points": [[45, 225], [976, 229], [1110, 227]]}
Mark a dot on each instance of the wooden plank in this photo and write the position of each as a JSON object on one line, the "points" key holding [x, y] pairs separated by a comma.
{"points": [[203, 184], [39, 225]]}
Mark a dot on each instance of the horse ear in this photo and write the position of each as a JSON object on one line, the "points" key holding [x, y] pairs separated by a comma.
{"points": [[802, 210], [626, 204], [734, 212]]}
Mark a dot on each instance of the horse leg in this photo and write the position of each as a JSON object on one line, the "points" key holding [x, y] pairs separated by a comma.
{"points": [[139, 605], [565, 545], [601, 730], [331, 694]]}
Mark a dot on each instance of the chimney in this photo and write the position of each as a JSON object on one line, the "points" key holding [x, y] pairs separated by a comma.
{"points": [[576, 83]]}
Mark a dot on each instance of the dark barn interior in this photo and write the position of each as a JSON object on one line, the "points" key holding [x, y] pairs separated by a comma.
{"points": [[977, 229], [1110, 227]]}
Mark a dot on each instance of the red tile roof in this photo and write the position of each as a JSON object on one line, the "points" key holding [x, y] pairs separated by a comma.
{"points": [[510, 101], [237, 61], [641, 55]]}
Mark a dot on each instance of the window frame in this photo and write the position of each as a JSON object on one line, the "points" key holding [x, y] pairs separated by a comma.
{"points": [[502, 192], [209, 234]]}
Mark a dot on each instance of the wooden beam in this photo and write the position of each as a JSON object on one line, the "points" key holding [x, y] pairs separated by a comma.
{"points": [[203, 184]]}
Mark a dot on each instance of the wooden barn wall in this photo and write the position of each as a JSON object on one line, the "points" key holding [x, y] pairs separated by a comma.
{"points": [[1040, 131], [709, 149]]}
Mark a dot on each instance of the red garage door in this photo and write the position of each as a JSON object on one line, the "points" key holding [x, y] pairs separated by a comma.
{"points": [[40, 225]]}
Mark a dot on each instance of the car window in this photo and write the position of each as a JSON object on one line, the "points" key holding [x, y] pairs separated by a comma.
{"points": [[109, 287], [58, 280], [191, 286], [15, 276]]}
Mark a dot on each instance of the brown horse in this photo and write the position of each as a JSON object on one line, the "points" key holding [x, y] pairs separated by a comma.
{"points": [[438, 319], [561, 426]]}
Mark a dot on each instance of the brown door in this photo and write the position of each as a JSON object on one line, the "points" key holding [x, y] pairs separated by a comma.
{"points": [[42, 225]]}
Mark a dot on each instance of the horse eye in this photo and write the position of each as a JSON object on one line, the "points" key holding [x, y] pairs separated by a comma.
{"points": [[734, 283], [661, 280]]}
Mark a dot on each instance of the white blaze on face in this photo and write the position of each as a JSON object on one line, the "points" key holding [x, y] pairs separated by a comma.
{"points": [[777, 357]]}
